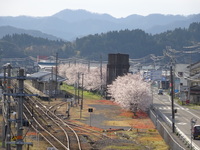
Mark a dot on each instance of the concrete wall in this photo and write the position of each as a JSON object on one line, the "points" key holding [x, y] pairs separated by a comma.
{"points": [[164, 132]]}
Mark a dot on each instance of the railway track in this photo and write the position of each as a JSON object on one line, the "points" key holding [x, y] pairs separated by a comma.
{"points": [[80, 128], [50, 126], [58, 132]]}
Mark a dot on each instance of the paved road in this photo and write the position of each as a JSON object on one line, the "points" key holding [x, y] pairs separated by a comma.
{"points": [[182, 117]]}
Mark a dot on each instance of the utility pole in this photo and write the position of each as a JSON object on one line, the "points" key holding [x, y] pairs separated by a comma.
{"points": [[81, 105], [20, 112], [82, 92], [88, 66], [6, 109], [172, 99], [51, 83], [49, 89], [101, 76], [6, 137], [56, 80], [4, 126], [8, 134], [172, 90], [78, 86], [75, 92]]}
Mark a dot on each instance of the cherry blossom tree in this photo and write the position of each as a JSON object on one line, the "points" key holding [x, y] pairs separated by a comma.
{"points": [[71, 72], [94, 80], [131, 92]]}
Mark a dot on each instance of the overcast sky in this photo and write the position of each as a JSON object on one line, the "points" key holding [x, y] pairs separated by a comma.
{"points": [[116, 8]]}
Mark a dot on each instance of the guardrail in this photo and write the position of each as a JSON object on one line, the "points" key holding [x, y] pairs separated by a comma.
{"points": [[155, 114]]}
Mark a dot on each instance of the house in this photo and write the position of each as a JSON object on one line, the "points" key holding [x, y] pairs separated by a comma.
{"points": [[194, 82], [181, 73], [47, 82], [187, 82]]}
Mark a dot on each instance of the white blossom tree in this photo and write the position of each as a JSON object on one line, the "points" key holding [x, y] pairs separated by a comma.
{"points": [[131, 92], [93, 78], [71, 72]]}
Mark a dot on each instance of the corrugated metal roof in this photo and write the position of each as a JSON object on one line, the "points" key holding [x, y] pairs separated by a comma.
{"points": [[40, 74], [44, 76], [49, 77]]}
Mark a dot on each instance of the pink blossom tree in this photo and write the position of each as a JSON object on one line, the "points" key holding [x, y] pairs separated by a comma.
{"points": [[131, 92], [93, 78], [71, 72]]}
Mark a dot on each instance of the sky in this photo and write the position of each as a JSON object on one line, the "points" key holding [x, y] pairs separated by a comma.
{"points": [[116, 8]]}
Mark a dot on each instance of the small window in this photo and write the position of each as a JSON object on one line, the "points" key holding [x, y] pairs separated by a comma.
{"points": [[197, 128]]}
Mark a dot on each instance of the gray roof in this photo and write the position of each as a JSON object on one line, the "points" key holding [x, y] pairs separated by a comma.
{"points": [[44, 76], [40, 74]]}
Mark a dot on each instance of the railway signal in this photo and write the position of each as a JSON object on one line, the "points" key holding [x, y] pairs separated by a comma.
{"points": [[90, 110]]}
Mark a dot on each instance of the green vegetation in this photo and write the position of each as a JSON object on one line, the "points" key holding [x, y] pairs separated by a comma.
{"points": [[86, 94], [23, 45], [124, 147], [136, 43], [152, 140]]}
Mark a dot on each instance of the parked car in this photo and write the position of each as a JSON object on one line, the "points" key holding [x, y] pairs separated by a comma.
{"points": [[160, 92], [196, 131]]}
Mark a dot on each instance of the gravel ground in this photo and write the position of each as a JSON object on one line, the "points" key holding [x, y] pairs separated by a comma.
{"points": [[100, 116], [104, 113]]}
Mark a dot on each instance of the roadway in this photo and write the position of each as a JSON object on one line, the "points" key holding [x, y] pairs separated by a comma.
{"points": [[183, 117]]}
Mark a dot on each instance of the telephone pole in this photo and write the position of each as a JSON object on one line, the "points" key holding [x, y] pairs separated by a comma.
{"points": [[101, 75], [78, 86], [172, 99], [19, 141], [6, 127], [56, 80], [6, 109], [3, 108], [82, 92], [8, 134]]}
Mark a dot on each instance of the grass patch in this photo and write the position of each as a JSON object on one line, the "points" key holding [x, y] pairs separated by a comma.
{"points": [[190, 105], [123, 147], [146, 139], [154, 142], [117, 123], [86, 94]]}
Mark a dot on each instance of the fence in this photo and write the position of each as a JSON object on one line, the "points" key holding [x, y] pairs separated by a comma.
{"points": [[157, 118]]}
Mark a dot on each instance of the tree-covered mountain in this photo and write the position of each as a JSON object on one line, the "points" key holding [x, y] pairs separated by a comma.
{"points": [[23, 45], [136, 43], [70, 24], [9, 30]]}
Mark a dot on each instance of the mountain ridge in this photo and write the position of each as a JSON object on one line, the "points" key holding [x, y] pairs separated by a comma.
{"points": [[9, 30], [70, 24]]}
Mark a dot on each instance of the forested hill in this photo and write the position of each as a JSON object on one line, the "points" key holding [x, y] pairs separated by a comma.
{"points": [[23, 45], [136, 43]]}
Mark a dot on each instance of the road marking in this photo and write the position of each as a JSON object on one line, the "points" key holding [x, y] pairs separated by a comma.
{"points": [[181, 123], [168, 108]]}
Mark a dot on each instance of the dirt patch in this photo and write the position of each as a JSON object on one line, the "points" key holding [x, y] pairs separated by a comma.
{"points": [[107, 114]]}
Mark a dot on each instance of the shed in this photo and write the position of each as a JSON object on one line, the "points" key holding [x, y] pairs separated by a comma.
{"points": [[47, 83]]}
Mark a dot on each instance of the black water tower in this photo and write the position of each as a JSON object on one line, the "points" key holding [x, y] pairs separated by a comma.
{"points": [[118, 65]]}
